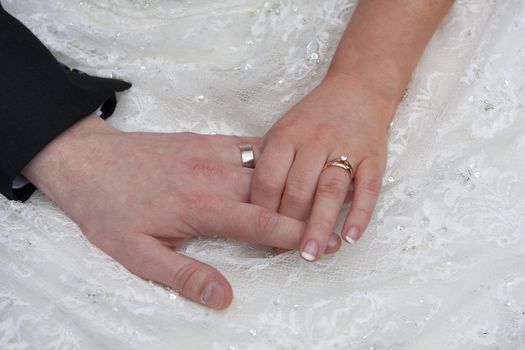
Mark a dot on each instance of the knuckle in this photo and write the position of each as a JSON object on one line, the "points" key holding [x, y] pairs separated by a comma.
{"points": [[184, 278], [364, 211], [332, 188], [265, 222], [371, 186], [322, 226], [297, 195], [266, 184]]}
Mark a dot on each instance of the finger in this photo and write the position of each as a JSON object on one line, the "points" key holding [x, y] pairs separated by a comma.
{"points": [[226, 148], [172, 242], [269, 178], [301, 185], [233, 182], [329, 198], [333, 245], [350, 193], [148, 258], [367, 185], [244, 222], [279, 251], [233, 142]]}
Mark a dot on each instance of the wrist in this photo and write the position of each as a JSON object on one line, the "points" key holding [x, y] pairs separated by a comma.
{"points": [[384, 104], [54, 168]]}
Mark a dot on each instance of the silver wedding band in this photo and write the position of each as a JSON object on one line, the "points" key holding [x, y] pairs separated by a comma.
{"points": [[247, 156]]}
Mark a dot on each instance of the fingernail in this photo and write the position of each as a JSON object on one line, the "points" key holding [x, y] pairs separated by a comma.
{"points": [[213, 295], [352, 235], [332, 242], [310, 251]]}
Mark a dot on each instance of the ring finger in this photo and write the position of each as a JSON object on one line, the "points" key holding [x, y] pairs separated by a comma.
{"points": [[227, 148], [329, 198]]}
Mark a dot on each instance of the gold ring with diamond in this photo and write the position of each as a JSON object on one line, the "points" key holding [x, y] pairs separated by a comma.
{"points": [[247, 156], [341, 162]]}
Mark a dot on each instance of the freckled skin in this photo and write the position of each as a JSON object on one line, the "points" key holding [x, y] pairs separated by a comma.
{"points": [[139, 195]]}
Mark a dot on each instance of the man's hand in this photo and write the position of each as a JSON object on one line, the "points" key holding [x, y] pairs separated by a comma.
{"points": [[138, 195]]}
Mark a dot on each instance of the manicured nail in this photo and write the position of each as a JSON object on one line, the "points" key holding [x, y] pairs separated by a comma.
{"points": [[352, 235], [333, 241], [213, 295], [310, 251]]}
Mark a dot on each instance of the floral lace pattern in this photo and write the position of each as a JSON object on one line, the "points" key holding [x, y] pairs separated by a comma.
{"points": [[442, 266]]}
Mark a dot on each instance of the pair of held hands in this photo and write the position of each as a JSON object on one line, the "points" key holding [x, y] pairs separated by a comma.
{"points": [[139, 195]]}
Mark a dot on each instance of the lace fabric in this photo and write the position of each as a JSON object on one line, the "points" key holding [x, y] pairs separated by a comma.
{"points": [[442, 265]]}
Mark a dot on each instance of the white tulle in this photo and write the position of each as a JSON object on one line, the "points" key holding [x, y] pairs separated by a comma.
{"points": [[442, 266]]}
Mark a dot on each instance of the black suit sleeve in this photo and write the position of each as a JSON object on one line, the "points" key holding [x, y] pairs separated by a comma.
{"points": [[39, 98]]}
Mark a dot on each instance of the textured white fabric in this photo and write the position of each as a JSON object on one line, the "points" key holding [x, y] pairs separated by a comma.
{"points": [[442, 265]]}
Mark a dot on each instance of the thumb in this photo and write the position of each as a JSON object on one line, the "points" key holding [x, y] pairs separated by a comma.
{"points": [[151, 260]]}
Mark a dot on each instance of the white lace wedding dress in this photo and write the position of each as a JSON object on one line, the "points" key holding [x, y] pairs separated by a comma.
{"points": [[442, 266]]}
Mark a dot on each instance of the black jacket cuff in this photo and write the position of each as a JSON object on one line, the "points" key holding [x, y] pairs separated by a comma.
{"points": [[39, 99]]}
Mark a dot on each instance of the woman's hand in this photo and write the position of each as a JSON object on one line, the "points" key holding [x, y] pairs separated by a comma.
{"points": [[138, 195], [347, 114], [342, 116]]}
